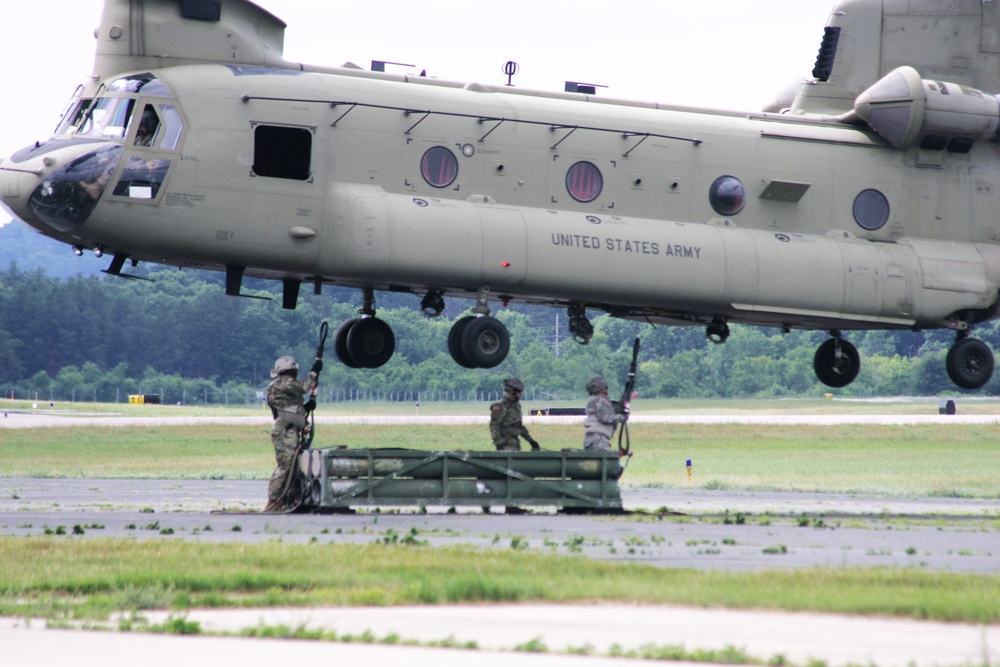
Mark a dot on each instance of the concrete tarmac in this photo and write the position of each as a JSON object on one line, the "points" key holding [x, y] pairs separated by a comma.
{"points": [[499, 630], [702, 529]]}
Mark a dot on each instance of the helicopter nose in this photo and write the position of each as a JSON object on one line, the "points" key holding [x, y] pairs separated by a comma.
{"points": [[56, 187], [16, 182]]}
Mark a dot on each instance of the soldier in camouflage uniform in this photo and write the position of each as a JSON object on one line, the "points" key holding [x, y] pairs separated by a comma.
{"points": [[603, 416], [505, 419], [286, 398]]}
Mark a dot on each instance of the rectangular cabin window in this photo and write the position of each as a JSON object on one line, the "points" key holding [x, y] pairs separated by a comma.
{"points": [[282, 152]]}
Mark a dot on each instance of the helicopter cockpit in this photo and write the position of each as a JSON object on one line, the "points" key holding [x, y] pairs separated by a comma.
{"points": [[134, 115]]}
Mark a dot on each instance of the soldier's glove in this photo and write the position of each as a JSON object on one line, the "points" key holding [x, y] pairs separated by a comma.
{"points": [[534, 445], [317, 366], [619, 407], [310, 405]]}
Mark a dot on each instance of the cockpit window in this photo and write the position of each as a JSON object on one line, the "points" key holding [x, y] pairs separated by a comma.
{"points": [[66, 197], [74, 115], [141, 178], [174, 126], [147, 84], [108, 119], [149, 124], [74, 112]]}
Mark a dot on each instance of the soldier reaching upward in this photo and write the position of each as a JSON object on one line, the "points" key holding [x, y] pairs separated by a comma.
{"points": [[286, 398], [603, 416]]}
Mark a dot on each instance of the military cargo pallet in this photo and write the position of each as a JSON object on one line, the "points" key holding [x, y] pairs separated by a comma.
{"points": [[337, 479]]}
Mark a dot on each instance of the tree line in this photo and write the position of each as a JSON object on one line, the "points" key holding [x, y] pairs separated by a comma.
{"points": [[104, 338]]}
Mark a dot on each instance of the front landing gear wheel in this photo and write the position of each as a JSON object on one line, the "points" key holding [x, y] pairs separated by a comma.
{"points": [[837, 363], [370, 342], [970, 363], [340, 343]]}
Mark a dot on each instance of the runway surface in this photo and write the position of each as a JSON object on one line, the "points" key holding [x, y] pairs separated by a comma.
{"points": [[703, 530], [706, 530]]}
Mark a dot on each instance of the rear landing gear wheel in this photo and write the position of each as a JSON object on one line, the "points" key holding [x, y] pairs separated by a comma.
{"points": [[837, 363], [455, 341], [970, 363], [485, 342]]}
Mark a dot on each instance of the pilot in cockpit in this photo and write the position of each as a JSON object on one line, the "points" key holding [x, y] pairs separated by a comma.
{"points": [[94, 187], [148, 125]]}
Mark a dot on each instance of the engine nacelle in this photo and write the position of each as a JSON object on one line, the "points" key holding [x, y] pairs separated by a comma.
{"points": [[934, 115]]}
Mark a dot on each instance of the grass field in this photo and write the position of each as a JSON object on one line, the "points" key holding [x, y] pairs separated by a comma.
{"points": [[960, 460], [92, 578]]}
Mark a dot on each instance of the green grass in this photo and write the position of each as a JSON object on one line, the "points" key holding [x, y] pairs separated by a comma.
{"points": [[63, 578], [957, 460]]}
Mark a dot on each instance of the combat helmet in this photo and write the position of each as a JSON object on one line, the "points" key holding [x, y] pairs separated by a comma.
{"points": [[285, 363], [513, 384], [596, 385]]}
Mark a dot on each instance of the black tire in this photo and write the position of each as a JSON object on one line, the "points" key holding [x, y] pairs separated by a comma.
{"points": [[485, 342], [340, 343], [455, 341], [371, 343], [970, 363], [834, 373]]}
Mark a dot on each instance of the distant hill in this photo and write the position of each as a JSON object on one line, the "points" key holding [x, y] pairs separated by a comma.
{"points": [[21, 244]]}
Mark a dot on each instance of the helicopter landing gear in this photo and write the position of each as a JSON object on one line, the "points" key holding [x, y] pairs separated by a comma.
{"points": [[366, 341], [479, 341], [969, 362], [837, 362], [433, 303], [717, 331], [579, 323]]}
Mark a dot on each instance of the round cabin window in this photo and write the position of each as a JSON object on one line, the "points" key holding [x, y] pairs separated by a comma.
{"points": [[439, 167], [584, 182], [727, 195], [871, 209]]}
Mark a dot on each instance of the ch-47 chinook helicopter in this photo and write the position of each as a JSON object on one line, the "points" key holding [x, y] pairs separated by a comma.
{"points": [[867, 200]]}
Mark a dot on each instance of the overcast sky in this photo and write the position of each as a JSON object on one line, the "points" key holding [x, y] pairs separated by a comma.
{"points": [[716, 53]]}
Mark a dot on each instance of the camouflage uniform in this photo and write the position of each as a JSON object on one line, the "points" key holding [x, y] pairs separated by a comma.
{"points": [[505, 419], [286, 397], [603, 417]]}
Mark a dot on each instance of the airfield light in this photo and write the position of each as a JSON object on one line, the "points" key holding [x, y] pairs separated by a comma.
{"points": [[505, 264], [689, 469]]}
